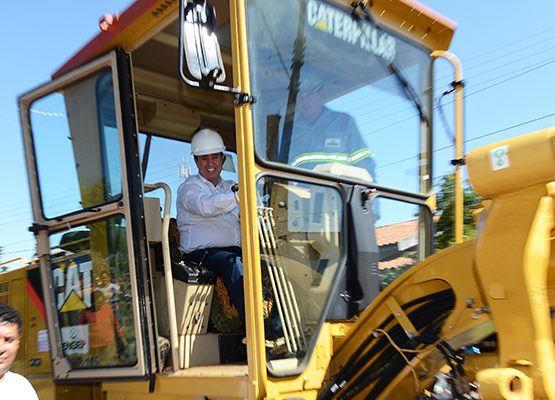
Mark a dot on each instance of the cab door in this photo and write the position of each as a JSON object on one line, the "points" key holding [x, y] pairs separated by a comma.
{"points": [[82, 156]]}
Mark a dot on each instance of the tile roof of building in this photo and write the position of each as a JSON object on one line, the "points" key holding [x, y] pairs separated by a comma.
{"points": [[394, 233], [396, 263], [389, 234]]}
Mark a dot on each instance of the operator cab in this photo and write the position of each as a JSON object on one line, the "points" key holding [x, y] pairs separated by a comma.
{"points": [[108, 144]]}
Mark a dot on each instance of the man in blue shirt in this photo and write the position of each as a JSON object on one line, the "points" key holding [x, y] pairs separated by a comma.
{"points": [[322, 136]]}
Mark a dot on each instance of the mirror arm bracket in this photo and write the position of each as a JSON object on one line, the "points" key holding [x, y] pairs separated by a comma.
{"points": [[208, 84], [243, 98]]}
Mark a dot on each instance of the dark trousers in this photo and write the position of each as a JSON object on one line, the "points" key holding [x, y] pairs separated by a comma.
{"points": [[228, 264]]}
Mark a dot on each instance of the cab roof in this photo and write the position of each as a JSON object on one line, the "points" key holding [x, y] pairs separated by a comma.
{"points": [[146, 18], [148, 30]]}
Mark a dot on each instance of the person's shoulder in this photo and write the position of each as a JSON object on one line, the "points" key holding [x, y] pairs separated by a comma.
{"points": [[14, 376], [21, 382], [227, 183], [329, 113], [192, 180]]}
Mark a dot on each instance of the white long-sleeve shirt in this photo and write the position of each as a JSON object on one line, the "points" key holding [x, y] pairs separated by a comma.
{"points": [[15, 386], [207, 215]]}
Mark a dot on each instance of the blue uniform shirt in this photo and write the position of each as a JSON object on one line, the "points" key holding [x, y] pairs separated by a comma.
{"points": [[332, 138]]}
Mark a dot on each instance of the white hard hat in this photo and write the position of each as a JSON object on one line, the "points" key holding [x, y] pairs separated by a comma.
{"points": [[207, 141]]}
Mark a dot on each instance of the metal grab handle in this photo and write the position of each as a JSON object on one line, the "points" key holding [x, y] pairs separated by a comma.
{"points": [[277, 293], [168, 270], [286, 300]]}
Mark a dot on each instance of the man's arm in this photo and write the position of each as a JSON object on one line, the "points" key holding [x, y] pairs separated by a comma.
{"points": [[193, 199]]}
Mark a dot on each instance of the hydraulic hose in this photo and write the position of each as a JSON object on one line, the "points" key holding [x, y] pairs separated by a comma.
{"points": [[427, 318], [352, 367], [352, 364], [440, 296], [389, 363]]}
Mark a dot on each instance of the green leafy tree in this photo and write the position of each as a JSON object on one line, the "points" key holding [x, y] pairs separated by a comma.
{"points": [[446, 210], [445, 227]]}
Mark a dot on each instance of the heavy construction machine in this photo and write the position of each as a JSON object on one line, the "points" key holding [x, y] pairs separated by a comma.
{"points": [[107, 145]]}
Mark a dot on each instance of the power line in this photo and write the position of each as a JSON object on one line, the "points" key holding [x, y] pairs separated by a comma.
{"points": [[531, 67], [16, 251], [15, 207], [551, 61], [18, 221], [470, 140], [495, 69], [512, 43], [541, 52], [510, 127], [14, 243], [490, 52]]}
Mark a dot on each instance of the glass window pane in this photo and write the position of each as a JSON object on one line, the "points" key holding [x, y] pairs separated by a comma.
{"points": [[336, 94], [170, 161], [109, 141], [401, 237], [77, 147], [90, 272], [302, 249]]}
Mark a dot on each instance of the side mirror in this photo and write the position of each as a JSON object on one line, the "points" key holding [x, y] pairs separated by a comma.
{"points": [[198, 44], [200, 51]]}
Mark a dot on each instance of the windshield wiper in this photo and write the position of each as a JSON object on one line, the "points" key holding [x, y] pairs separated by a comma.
{"points": [[409, 91], [392, 67]]}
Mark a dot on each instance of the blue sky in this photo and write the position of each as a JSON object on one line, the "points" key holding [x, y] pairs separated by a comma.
{"points": [[507, 50], [42, 36], [508, 55]]}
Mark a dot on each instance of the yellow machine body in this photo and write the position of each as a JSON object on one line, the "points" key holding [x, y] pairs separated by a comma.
{"points": [[477, 315]]}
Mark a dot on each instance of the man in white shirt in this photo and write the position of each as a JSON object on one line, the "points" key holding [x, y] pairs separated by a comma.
{"points": [[12, 385], [208, 217]]}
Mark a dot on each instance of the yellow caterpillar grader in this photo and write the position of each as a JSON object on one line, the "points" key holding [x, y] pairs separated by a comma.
{"points": [[325, 210]]}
